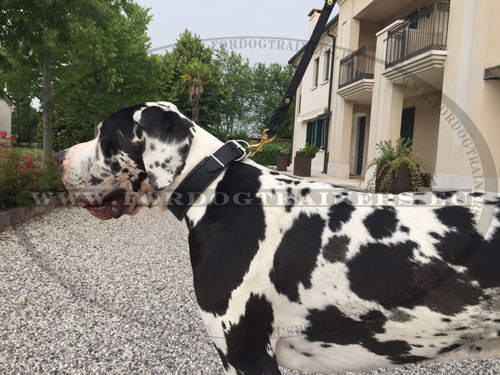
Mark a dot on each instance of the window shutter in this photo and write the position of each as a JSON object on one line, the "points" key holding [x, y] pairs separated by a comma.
{"points": [[309, 132], [319, 133]]}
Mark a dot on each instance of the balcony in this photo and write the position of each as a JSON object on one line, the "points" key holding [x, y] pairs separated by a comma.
{"points": [[419, 43], [357, 72]]}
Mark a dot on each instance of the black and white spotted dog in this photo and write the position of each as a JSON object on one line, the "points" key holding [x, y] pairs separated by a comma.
{"points": [[327, 287]]}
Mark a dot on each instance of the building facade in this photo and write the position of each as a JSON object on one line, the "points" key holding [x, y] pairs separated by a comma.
{"points": [[417, 69], [6, 108]]}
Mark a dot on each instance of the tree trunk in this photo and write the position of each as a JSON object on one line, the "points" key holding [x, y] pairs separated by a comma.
{"points": [[97, 121], [196, 107], [47, 110]]}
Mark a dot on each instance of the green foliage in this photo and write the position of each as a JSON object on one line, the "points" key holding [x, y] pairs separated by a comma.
{"points": [[108, 67], [235, 93], [268, 89], [269, 153], [391, 158], [285, 151], [309, 151], [189, 49]]}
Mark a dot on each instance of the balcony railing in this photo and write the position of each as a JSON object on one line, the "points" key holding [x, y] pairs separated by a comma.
{"points": [[357, 66], [425, 31], [492, 73]]}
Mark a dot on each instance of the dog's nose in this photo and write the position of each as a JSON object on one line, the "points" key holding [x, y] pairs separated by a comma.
{"points": [[60, 156]]}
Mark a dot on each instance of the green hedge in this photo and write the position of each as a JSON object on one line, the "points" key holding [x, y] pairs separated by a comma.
{"points": [[269, 153]]}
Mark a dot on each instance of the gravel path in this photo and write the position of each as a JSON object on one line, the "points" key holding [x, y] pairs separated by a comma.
{"points": [[80, 296]]}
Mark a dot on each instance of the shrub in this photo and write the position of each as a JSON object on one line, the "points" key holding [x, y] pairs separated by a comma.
{"points": [[21, 175], [391, 158], [309, 151], [269, 153]]}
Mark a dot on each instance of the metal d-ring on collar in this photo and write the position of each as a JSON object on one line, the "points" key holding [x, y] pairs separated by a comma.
{"points": [[203, 174]]}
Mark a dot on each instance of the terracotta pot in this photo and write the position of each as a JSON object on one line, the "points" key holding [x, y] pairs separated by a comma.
{"points": [[400, 184], [302, 166], [282, 163]]}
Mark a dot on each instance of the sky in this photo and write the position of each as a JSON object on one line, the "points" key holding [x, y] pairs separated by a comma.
{"points": [[235, 18]]}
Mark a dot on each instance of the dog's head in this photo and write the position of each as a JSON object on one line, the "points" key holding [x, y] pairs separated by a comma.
{"points": [[138, 150]]}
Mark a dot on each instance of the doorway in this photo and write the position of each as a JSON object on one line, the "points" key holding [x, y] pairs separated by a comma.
{"points": [[408, 123]]}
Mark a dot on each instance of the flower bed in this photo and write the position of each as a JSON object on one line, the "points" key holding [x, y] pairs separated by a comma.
{"points": [[21, 175]]}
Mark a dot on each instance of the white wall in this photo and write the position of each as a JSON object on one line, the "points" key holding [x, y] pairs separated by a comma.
{"points": [[5, 117]]}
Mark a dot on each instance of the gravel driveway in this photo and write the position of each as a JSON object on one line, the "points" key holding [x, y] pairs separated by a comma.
{"points": [[80, 296]]}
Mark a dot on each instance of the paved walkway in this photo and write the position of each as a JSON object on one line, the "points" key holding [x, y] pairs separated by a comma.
{"points": [[82, 296]]}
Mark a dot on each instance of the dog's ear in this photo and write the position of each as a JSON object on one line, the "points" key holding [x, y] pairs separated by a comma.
{"points": [[167, 138]]}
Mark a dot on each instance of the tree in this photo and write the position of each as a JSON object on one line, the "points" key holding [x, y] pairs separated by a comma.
{"points": [[22, 85], [187, 50], [235, 96], [197, 74], [36, 33], [269, 85], [108, 67]]}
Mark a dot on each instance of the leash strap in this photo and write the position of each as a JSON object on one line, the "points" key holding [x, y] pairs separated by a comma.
{"points": [[279, 115], [201, 176]]}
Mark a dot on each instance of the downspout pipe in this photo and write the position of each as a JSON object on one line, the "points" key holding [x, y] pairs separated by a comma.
{"points": [[330, 94]]}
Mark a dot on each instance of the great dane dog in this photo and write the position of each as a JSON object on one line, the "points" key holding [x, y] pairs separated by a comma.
{"points": [[329, 286]]}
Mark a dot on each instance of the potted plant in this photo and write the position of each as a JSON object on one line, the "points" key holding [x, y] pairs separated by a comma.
{"points": [[303, 160], [398, 170], [282, 159]]}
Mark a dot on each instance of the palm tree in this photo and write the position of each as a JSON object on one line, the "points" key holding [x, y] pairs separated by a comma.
{"points": [[196, 75]]}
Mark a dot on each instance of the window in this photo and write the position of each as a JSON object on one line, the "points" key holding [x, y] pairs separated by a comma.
{"points": [[300, 103], [316, 72], [316, 133], [328, 58]]}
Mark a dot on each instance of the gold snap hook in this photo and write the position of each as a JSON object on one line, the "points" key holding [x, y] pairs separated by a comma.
{"points": [[287, 100], [264, 139], [330, 2]]}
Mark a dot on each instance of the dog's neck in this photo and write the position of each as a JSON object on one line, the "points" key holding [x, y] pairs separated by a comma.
{"points": [[203, 144]]}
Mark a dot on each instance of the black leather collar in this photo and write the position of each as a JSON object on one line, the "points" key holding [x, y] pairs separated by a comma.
{"points": [[202, 175]]}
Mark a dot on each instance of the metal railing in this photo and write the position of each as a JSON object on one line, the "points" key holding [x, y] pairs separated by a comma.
{"points": [[425, 31], [357, 66], [492, 73]]}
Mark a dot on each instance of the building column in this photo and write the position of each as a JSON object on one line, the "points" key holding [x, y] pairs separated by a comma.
{"points": [[341, 124], [387, 102], [339, 158]]}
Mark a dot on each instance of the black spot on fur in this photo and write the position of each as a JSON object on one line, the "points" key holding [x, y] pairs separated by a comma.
{"points": [[440, 334], [275, 173], [419, 202], [306, 354], [463, 245], [449, 348], [157, 164], [247, 341], [136, 184], [290, 200], [382, 222], [115, 167], [444, 194], [305, 192], [296, 255], [404, 228], [447, 320], [340, 214], [285, 181], [387, 274], [326, 346], [223, 358], [163, 165], [330, 325], [95, 181], [222, 244], [336, 249], [152, 147]]}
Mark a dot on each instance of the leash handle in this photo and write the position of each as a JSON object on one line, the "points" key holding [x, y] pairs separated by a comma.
{"points": [[279, 114]]}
